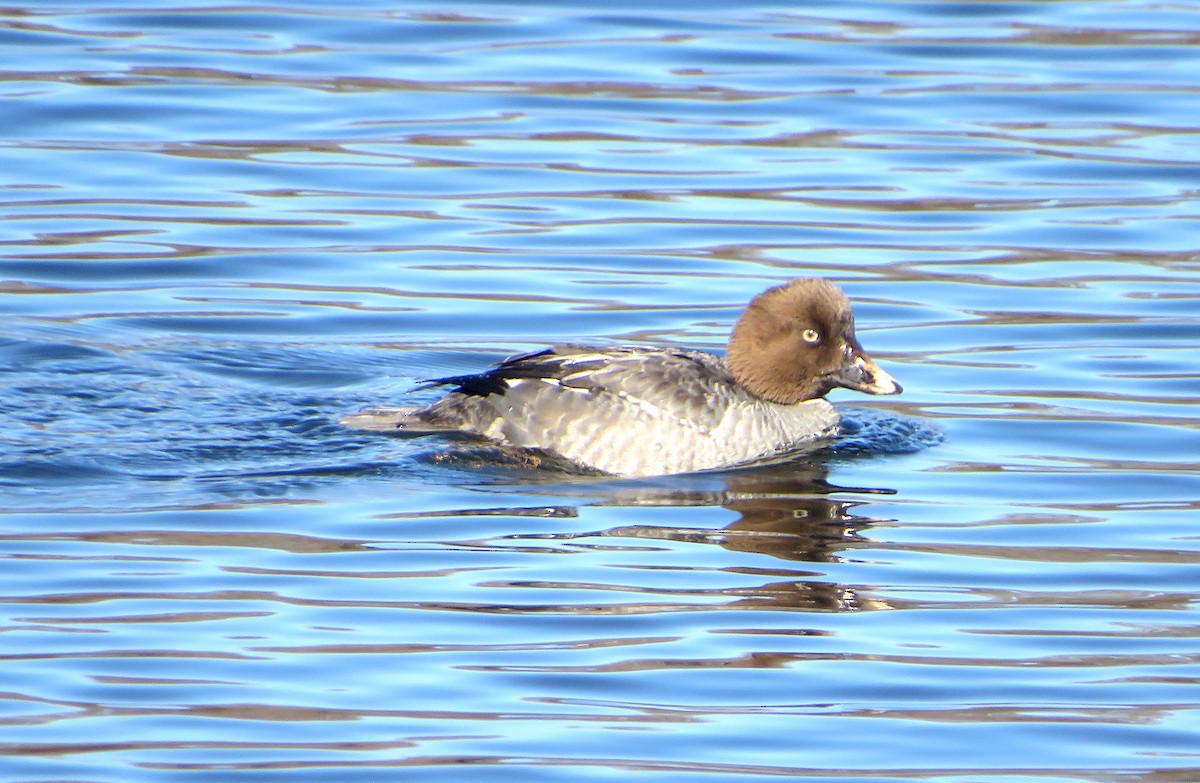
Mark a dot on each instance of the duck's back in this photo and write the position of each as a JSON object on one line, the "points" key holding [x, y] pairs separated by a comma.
{"points": [[624, 410]]}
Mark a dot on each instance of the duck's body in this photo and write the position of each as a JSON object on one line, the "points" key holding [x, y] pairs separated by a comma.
{"points": [[627, 410], [640, 411]]}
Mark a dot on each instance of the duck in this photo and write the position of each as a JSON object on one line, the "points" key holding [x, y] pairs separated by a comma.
{"points": [[631, 410]]}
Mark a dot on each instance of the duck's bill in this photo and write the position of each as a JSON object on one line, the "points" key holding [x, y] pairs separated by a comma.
{"points": [[864, 375]]}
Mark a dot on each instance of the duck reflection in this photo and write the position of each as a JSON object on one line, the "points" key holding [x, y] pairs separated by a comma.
{"points": [[787, 511]]}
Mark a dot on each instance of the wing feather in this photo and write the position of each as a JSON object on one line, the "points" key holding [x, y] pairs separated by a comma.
{"points": [[689, 387]]}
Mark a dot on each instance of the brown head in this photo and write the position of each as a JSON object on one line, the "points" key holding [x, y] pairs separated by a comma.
{"points": [[795, 342]]}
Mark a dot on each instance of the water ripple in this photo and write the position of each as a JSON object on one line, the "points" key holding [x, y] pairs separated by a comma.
{"points": [[221, 227]]}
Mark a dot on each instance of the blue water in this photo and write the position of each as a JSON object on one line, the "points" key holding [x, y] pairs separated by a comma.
{"points": [[221, 227]]}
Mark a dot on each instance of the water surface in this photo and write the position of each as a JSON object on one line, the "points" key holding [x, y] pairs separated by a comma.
{"points": [[221, 227]]}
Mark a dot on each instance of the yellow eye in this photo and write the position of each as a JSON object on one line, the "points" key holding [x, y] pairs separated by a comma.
{"points": [[811, 336]]}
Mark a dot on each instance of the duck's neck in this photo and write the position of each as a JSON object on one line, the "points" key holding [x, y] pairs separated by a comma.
{"points": [[765, 370]]}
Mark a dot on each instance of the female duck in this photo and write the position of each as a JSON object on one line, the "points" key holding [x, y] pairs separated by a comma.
{"points": [[641, 411]]}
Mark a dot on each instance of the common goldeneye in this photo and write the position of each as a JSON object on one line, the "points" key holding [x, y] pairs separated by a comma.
{"points": [[642, 411]]}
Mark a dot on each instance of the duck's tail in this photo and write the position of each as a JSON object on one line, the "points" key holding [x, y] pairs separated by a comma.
{"points": [[391, 420]]}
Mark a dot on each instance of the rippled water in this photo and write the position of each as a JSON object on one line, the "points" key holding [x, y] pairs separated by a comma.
{"points": [[223, 226]]}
